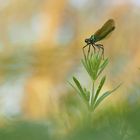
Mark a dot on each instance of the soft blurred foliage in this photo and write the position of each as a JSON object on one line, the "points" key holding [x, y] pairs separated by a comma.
{"points": [[40, 49]]}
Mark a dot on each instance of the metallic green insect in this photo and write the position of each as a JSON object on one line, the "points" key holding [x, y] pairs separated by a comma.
{"points": [[100, 34]]}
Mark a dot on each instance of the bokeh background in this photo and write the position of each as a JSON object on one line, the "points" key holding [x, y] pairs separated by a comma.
{"points": [[40, 50]]}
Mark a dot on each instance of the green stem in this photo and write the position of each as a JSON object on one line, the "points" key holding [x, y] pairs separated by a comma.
{"points": [[91, 95], [93, 91]]}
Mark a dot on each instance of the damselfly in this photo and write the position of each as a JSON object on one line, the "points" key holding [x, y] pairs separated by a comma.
{"points": [[100, 34]]}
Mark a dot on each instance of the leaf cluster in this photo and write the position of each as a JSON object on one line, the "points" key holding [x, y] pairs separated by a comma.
{"points": [[94, 65]]}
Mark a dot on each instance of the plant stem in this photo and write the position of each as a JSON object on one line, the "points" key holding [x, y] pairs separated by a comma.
{"points": [[91, 95]]}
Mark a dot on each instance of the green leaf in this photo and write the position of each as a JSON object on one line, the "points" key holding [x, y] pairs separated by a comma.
{"points": [[102, 67], [74, 88], [96, 66], [81, 91], [100, 87], [104, 63], [86, 65], [106, 94], [87, 93], [78, 84], [92, 65]]}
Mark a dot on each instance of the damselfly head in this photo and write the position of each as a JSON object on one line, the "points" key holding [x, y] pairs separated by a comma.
{"points": [[87, 40], [90, 40]]}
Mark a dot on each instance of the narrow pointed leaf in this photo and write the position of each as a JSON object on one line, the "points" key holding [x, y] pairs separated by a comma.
{"points": [[81, 91], [78, 84], [84, 62], [75, 88], [100, 87], [103, 67], [106, 94]]}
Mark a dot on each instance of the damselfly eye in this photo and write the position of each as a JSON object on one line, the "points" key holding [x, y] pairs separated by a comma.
{"points": [[86, 40]]}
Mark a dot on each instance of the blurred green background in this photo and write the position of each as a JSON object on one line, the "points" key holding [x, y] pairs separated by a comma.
{"points": [[40, 50]]}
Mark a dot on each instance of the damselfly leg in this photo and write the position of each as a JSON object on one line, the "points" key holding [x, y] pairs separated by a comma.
{"points": [[100, 46], [89, 49], [84, 50], [94, 48]]}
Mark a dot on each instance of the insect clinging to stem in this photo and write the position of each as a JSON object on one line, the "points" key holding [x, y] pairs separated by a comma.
{"points": [[100, 34]]}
